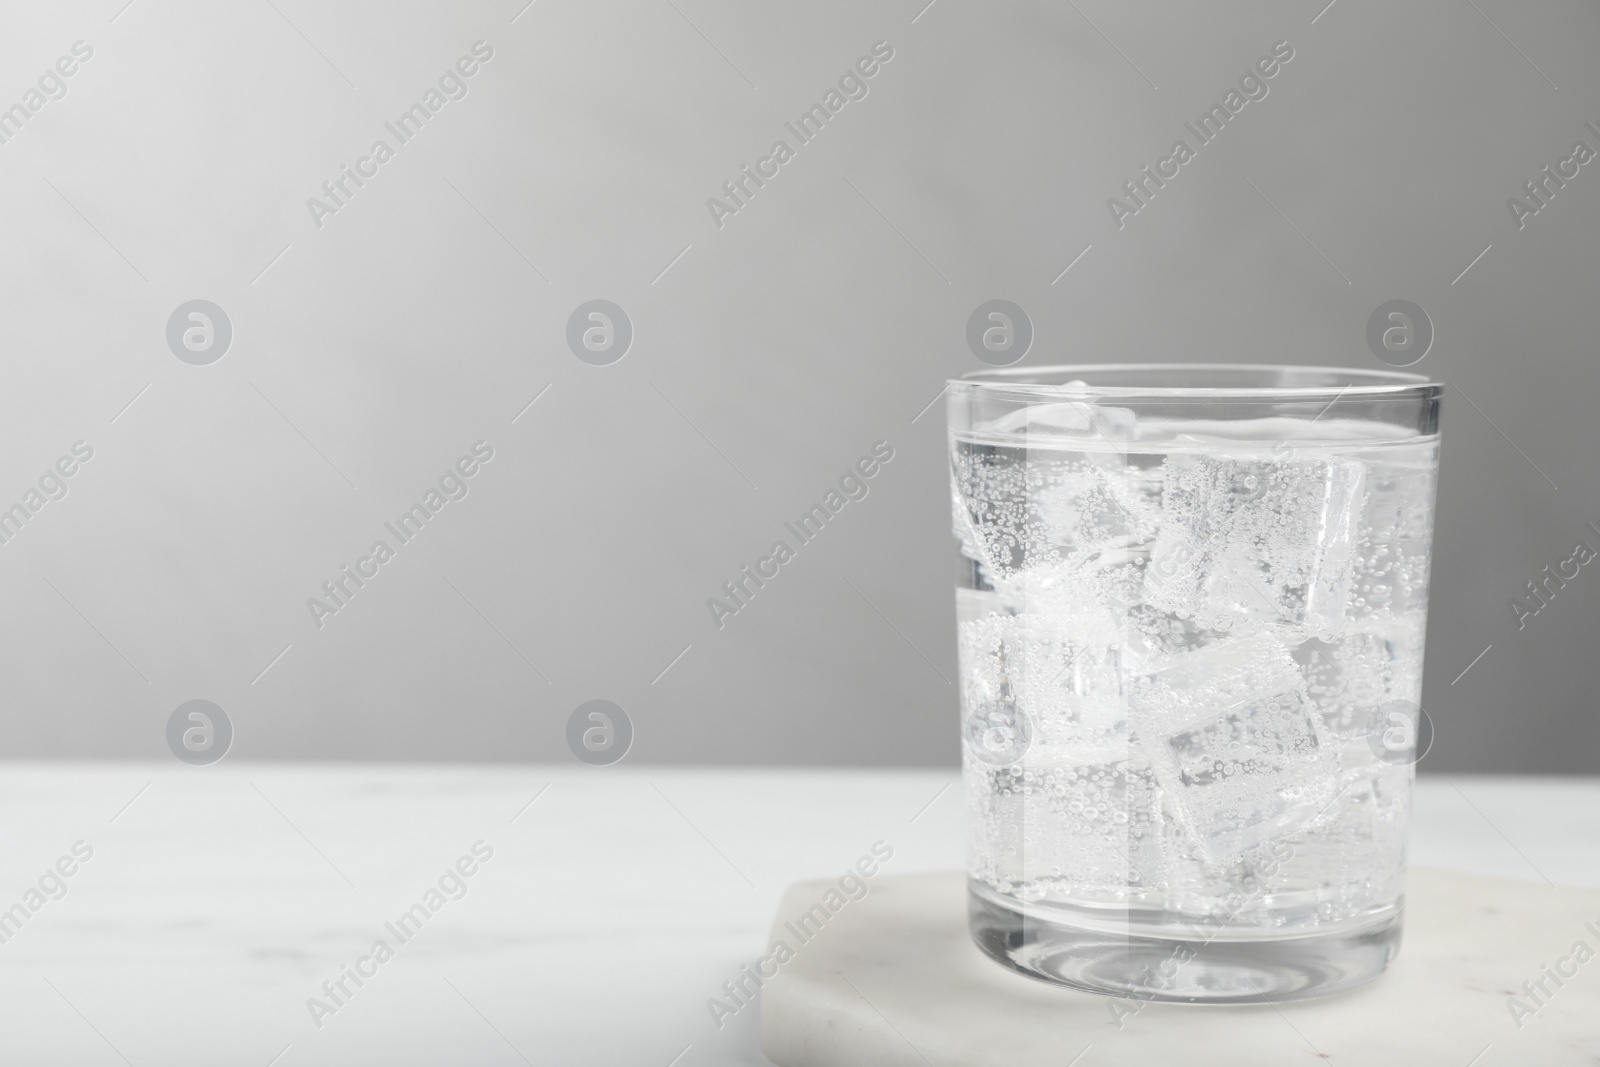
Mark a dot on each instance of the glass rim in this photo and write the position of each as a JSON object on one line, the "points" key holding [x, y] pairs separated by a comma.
{"points": [[1030, 383]]}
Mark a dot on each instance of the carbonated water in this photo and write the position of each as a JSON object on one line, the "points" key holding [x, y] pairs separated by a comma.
{"points": [[1175, 642]]}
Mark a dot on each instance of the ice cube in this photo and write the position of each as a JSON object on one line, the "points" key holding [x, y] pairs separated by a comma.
{"points": [[1153, 637], [1088, 509], [1391, 572], [1070, 417], [1370, 664], [989, 501], [1268, 541], [1236, 744], [1020, 507], [1041, 685], [1353, 861], [1075, 830]]}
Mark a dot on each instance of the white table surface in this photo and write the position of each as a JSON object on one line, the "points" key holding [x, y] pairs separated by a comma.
{"points": [[221, 898], [894, 980]]}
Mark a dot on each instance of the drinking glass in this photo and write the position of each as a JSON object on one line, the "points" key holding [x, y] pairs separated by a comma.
{"points": [[1190, 606]]}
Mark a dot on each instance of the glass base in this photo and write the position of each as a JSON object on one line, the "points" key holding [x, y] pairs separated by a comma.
{"points": [[1224, 969]]}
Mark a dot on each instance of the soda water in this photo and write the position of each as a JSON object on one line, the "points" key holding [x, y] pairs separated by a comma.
{"points": [[1184, 648]]}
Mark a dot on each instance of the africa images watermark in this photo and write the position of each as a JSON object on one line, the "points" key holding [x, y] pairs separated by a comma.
{"points": [[452, 85], [599, 732], [852, 86], [52, 85], [52, 486], [52, 885], [852, 885], [1542, 591], [1543, 188], [1252, 86], [453, 485], [852, 486], [451, 885], [1580, 953]]}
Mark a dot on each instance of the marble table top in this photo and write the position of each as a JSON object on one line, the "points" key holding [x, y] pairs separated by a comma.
{"points": [[894, 980], [167, 914]]}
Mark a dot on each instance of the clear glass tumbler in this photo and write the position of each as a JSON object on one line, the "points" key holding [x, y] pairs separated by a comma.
{"points": [[1191, 608]]}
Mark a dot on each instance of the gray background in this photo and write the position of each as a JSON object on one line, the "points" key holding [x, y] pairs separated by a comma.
{"points": [[370, 353]]}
